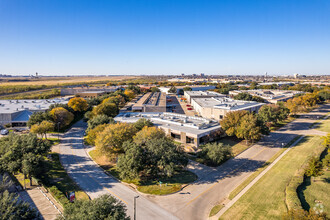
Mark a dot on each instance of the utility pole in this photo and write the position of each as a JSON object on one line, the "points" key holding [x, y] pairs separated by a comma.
{"points": [[135, 197]]}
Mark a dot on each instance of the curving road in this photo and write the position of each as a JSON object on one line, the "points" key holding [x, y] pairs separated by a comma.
{"points": [[194, 201], [95, 182]]}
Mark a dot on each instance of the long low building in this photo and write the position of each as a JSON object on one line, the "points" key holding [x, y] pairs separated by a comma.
{"points": [[18, 112], [201, 94], [217, 107], [185, 129], [270, 95], [149, 102]]}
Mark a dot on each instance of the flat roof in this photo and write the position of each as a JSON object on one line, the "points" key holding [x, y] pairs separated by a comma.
{"points": [[226, 103], [178, 122], [203, 93], [12, 106], [270, 93], [87, 92]]}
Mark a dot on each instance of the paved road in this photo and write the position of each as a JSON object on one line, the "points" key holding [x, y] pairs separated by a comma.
{"points": [[196, 200], [95, 182]]}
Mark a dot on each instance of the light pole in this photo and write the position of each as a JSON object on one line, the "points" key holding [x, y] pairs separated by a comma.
{"points": [[58, 130], [135, 197]]}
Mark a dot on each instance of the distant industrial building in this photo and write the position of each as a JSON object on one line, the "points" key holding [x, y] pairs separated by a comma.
{"points": [[201, 94], [77, 90], [179, 89], [18, 112], [149, 102], [271, 96], [185, 129], [217, 107]]}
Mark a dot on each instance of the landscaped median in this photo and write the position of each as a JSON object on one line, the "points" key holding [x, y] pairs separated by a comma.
{"points": [[161, 186]]}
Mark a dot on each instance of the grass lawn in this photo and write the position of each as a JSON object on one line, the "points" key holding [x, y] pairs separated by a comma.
{"points": [[265, 200], [169, 185], [318, 190], [215, 210], [324, 125], [55, 175]]}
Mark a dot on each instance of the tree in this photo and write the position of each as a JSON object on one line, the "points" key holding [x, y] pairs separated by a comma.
{"points": [[99, 120], [172, 90], [103, 207], [130, 164], [243, 96], [215, 153], [129, 93], [22, 153], [61, 116], [146, 134], [142, 122], [314, 167], [107, 108], [38, 117], [155, 89], [231, 122], [267, 114], [43, 128], [187, 88], [78, 104], [300, 214], [113, 137], [248, 128], [11, 207], [93, 133]]}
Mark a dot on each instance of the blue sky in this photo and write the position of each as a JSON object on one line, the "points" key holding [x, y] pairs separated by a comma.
{"points": [[164, 36]]}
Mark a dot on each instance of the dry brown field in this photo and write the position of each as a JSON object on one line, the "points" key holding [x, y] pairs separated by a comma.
{"points": [[58, 80]]}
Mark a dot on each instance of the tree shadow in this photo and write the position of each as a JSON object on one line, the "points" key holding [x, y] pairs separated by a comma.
{"points": [[301, 195]]}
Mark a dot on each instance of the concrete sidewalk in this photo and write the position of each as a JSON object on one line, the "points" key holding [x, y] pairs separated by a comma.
{"points": [[42, 202]]}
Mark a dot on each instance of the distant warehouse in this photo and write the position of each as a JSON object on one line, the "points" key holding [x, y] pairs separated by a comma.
{"points": [[17, 112], [217, 107], [184, 129], [270, 95]]}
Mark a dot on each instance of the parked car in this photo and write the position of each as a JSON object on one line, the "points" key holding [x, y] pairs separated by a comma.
{"points": [[4, 132]]}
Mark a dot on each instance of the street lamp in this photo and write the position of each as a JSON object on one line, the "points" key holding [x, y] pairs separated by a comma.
{"points": [[58, 130], [135, 197]]}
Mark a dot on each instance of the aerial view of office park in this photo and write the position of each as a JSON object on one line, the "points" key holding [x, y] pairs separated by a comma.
{"points": [[164, 110]]}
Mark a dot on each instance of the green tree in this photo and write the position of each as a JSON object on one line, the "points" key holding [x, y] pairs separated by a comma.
{"points": [[103, 207], [172, 90], [187, 88], [93, 133], [11, 207], [43, 128], [215, 153], [248, 128], [78, 104], [99, 120], [22, 153], [61, 116], [38, 117], [142, 122], [155, 89], [130, 164]]}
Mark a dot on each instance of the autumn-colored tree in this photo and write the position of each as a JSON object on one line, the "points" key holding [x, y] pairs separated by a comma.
{"points": [[42, 128], [248, 128], [92, 134], [107, 108], [78, 104], [61, 116], [113, 136], [146, 134], [231, 122], [129, 93]]}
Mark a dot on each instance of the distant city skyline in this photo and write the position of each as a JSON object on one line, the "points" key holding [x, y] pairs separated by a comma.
{"points": [[155, 37]]}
